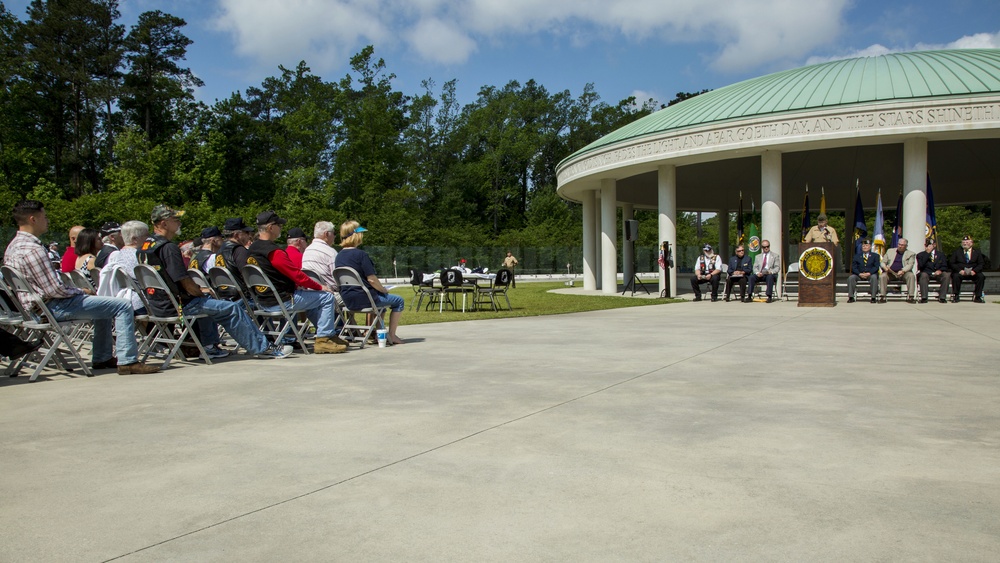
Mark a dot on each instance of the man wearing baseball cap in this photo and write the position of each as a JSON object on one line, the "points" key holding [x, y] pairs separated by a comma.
{"points": [[707, 269], [160, 251], [111, 236], [211, 242], [297, 290]]}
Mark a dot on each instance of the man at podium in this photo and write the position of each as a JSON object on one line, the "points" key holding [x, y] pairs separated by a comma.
{"points": [[822, 232]]}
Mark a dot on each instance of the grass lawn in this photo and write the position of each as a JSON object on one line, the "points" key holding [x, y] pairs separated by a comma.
{"points": [[529, 300]]}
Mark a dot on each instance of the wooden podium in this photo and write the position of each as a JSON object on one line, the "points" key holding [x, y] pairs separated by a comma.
{"points": [[817, 276]]}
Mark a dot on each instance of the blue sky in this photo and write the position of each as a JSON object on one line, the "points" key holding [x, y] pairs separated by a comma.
{"points": [[647, 48]]}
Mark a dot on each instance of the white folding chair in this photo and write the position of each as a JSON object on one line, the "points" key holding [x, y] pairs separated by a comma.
{"points": [[45, 326], [276, 324], [354, 330], [148, 279], [786, 283]]}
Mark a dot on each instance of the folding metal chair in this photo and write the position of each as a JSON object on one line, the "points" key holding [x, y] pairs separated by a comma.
{"points": [[423, 289], [452, 283], [45, 326], [81, 281], [488, 294], [353, 330], [148, 279], [123, 280], [276, 324]]}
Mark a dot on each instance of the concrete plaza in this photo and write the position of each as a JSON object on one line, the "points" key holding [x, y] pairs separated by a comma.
{"points": [[691, 431]]}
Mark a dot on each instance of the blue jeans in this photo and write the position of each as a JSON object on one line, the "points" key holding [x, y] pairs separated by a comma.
{"points": [[233, 317], [393, 302], [101, 310], [320, 307], [208, 332]]}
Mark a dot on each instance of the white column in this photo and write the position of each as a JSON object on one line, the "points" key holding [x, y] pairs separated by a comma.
{"points": [[609, 236], [914, 192], [628, 248], [770, 206], [994, 234], [598, 251], [589, 240], [723, 250], [666, 182]]}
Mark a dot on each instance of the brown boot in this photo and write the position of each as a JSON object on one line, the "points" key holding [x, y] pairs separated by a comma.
{"points": [[137, 367], [339, 340], [326, 345]]}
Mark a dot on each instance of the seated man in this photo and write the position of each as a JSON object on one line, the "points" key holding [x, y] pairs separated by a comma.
{"points": [[707, 269], [233, 253], [161, 252], [899, 264], [69, 257], [204, 257], [297, 290], [967, 263], [27, 255], [766, 266], [111, 236], [931, 265], [740, 267], [319, 257], [297, 244], [864, 267]]}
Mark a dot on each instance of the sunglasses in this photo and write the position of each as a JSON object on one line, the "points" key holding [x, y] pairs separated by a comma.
{"points": [[765, 247]]}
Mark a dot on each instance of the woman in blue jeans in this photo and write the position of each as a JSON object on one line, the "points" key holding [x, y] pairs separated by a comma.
{"points": [[351, 235]]}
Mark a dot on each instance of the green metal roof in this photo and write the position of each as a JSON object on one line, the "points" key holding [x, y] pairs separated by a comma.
{"points": [[898, 76]]}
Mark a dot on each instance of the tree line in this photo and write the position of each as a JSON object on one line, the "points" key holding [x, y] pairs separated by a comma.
{"points": [[100, 122]]}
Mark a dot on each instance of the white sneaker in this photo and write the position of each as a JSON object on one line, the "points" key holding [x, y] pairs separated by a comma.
{"points": [[277, 352]]}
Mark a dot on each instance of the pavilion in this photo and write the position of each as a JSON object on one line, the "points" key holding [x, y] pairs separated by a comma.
{"points": [[882, 122]]}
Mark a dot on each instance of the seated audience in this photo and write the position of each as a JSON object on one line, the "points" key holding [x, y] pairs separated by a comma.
{"points": [[297, 290], [931, 265], [350, 255], [26, 254]]}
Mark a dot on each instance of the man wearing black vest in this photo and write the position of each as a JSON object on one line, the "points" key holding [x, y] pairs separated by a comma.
{"points": [[162, 253], [204, 257], [967, 263], [297, 290]]}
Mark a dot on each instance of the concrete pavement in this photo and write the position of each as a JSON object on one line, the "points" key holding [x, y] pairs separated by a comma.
{"points": [[692, 431]]}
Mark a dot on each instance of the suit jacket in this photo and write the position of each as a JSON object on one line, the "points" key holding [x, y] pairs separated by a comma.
{"points": [[859, 266], [959, 263], [773, 263], [925, 264], [909, 260], [737, 263]]}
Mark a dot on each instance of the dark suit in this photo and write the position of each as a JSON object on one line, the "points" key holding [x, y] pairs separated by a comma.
{"points": [[744, 265], [859, 266], [926, 266], [959, 263]]}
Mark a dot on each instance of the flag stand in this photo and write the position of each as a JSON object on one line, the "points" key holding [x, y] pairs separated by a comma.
{"points": [[666, 262]]}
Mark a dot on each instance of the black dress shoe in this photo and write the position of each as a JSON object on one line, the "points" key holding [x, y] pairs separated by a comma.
{"points": [[942, 300], [697, 298], [770, 299], [954, 299], [714, 299], [923, 301], [874, 299], [24, 349], [850, 300], [106, 364], [912, 300], [727, 299], [979, 300], [881, 299]]}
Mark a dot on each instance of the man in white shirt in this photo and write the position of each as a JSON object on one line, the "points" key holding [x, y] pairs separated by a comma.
{"points": [[707, 269], [319, 256]]}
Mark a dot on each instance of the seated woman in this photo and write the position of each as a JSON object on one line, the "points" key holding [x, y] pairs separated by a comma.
{"points": [[351, 234], [88, 244], [133, 234]]}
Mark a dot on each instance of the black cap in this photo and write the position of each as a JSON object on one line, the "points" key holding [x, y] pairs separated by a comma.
{"points": [[966, 237], [110, 227], [866, 241], [236, 224], [209, 232], [268, 217], [296, 232]]}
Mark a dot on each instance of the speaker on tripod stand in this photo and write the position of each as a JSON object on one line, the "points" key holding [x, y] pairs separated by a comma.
{"points": [[631, 228]]}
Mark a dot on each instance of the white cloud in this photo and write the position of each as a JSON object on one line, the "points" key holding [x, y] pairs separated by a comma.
{"points": [[437, 41], [323, 32], [976, 41]]}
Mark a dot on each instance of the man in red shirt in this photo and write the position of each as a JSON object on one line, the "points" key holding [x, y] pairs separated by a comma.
{"points": [[297, 244], [297, 290], [69, 257]]}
